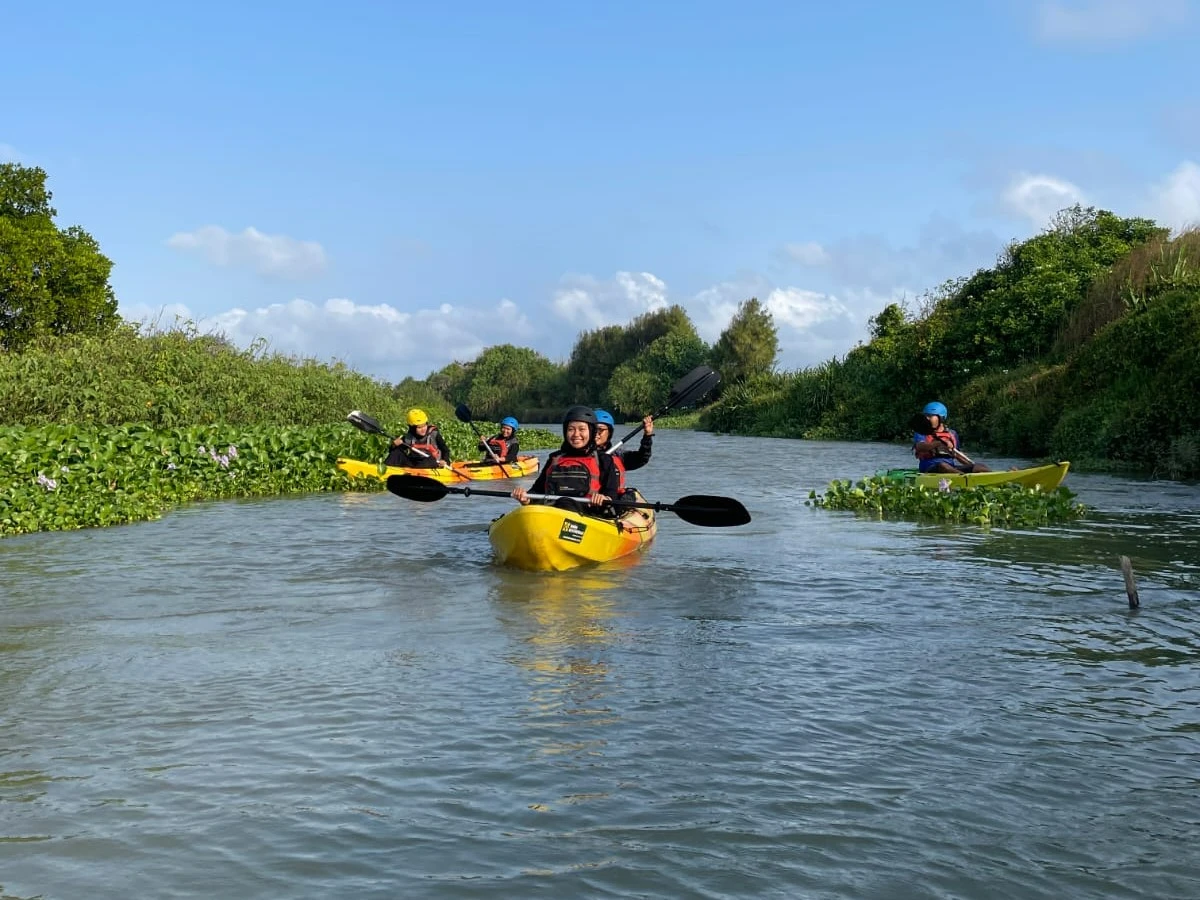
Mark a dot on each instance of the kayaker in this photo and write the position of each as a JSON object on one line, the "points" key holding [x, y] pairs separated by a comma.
{"points": [[625, 460], [504, 444], [936, 452], [421, 447], [577, 469]]}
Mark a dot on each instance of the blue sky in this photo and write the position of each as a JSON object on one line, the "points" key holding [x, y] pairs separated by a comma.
{"points": [[398, 186]]}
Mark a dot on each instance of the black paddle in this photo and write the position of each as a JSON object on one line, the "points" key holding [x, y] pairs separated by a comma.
{"points": [[920, 425], [363, 422], [463, 412], [691, 387], [698, 509]]}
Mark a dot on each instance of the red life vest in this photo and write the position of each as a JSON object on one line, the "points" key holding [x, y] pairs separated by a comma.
{"points": [[620, 464], [574, 476], [427, 444], [499, 446], [949, 436]]}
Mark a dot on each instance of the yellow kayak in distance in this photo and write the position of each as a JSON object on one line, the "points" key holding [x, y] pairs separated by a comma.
{"points": [[457, 473], [544, 538], [1047, 478]]}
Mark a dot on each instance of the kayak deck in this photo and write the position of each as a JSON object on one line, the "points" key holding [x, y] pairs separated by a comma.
{"points": [[1046, 478], [541, 537], [457, 473]]}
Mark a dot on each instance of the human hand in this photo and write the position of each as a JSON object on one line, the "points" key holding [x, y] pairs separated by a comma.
{"points": [[520, 496], [599, 499], [648, 423]]}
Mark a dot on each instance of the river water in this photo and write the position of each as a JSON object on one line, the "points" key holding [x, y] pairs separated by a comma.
{"points": [[342, 696]]}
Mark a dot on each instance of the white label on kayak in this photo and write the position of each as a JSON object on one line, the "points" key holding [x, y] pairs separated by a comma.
{"points": [[572, 531]]}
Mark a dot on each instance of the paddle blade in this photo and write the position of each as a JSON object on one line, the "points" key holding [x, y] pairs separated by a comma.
{"points": [[416, 487], [710, 512], [920, 424], [363, 422], [692, 386], [463, 413]]}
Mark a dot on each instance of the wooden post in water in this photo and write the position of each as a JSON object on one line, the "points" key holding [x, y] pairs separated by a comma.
{"points": [[1130, 586]]}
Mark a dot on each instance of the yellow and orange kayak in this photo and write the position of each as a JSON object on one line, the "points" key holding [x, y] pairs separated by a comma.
{"points": [[457, 473], [542, 538], [1047, 478]]}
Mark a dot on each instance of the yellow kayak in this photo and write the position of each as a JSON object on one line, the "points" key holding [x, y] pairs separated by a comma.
{"points": [[540, 538], [457, 473], [1045, 477]]}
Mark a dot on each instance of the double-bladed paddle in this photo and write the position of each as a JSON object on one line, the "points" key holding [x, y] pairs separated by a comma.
{"points": [[920, 425], [698, 509], [363, 422], [463, 413], [691, 387]]}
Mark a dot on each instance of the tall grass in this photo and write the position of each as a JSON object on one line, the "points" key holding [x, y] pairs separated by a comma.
{"points": [[179, 377], [1148, 270]]}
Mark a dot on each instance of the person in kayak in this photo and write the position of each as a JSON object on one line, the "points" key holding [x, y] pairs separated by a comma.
{"points": [[504, 444], [625, 460], [577, 468], [939, 450], [421, 447]]}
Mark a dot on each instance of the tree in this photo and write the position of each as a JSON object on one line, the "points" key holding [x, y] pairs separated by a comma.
{"points": [[749, 345], [52, 280], [643, 383], [506, 379]]}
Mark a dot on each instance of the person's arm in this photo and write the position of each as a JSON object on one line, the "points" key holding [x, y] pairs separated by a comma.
{"points": [[511, 455], [443, 449], [635, 459]]}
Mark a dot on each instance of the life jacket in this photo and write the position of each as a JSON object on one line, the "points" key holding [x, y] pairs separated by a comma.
{"points": [[427, 444], [574, 476], [499, 446], [948, 434], [620, 464]]}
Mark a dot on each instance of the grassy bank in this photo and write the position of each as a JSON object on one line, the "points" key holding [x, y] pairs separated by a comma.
{"points": [[106, 430]]}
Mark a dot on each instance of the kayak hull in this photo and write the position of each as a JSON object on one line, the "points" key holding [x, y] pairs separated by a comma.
{"points": [[457, 473], [1046, 478], [543, 538]]}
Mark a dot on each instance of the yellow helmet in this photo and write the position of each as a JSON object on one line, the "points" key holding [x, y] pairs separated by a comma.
{"points": [[417, 417]]}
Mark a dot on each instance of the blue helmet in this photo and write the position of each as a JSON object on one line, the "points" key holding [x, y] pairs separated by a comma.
{"points": [[605, 418], [935, 409], [510, 422]]}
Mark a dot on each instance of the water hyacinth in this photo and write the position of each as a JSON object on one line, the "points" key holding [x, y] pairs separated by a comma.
{"points": [[1003, 505], [134, 473]]}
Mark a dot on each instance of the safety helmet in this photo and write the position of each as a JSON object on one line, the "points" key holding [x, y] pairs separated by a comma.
{"points": [[510, 422], [584, 414], [605, 418], [935, 409], [417, 417]]}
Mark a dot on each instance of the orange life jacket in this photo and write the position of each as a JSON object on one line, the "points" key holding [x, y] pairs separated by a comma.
{"points": [[948, 435], [499, 446]]}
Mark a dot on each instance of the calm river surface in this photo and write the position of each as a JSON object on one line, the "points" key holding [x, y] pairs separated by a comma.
{"points": [[342, 696]]}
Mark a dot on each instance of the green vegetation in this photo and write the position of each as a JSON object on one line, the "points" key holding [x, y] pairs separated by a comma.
{"points": [[1080, 343], [53, 280], [1005, 505]]}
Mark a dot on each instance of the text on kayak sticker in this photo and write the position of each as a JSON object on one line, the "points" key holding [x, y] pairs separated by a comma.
{"points": [[572, 531]]}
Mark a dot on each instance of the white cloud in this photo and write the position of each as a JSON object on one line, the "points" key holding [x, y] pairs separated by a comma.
{"points": [[1176, 199], [9, 154], [589, 303], [379, 340], [1108, 22], [1038, 197], [809, 253], [268, 254]]}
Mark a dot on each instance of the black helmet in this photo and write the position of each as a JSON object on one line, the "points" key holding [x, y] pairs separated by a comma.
{"points": [[580, 414], [584, 414]]}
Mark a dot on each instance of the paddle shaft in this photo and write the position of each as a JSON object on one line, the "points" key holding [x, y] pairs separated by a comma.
{"points": [[695, 388], [923, 427], [372, 427]]}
